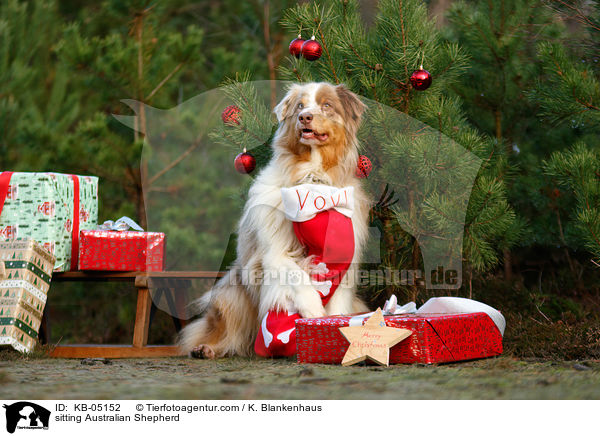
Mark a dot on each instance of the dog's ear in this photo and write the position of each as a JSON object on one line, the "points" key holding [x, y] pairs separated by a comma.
{"points": [[286, 106], [353, 107]]}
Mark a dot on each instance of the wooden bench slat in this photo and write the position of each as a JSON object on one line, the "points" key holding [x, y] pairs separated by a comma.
{"points": [[131, 275], [143, 281], [80, 351]]}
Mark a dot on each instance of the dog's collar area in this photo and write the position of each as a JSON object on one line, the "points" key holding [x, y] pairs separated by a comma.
{"points": [[311, 178]]}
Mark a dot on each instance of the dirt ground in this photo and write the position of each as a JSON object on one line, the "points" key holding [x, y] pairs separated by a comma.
{"points": [[242, 378]]}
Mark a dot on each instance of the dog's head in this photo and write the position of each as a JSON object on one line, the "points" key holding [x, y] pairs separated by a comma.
{"points": [[319, 117]]}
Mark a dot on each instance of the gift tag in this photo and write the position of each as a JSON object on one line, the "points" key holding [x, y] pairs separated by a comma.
{"points": [[372, 340]]}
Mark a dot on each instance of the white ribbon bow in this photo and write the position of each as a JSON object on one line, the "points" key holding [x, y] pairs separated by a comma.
{"points": [[122, 224], [437, 305], [389, 308]]}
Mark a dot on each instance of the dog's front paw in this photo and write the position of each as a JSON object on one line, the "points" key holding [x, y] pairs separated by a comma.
{"points": [[312, 311], [203, 352]]}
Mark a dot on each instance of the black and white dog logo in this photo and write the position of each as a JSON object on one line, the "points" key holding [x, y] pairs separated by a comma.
{"points": [[26, 415]]}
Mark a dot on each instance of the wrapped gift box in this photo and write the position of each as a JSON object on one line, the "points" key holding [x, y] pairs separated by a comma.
{"points": [[109, 250], [49, 208], [23, 289], [436, 338]]}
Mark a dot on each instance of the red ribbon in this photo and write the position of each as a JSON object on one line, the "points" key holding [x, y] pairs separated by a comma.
{"points": [[4, 182], [75, 234]]}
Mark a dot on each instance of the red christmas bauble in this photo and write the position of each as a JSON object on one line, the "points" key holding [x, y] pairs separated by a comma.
{"points": [[311, 50], [296, 46], [420, 79], [244, 163], [363, 167], [231, 114]]}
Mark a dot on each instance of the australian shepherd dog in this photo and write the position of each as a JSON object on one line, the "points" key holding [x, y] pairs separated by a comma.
{"points": [[280, 271]]}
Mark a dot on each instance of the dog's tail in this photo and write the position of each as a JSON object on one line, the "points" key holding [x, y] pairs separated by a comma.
{"points": [[228, 324]]}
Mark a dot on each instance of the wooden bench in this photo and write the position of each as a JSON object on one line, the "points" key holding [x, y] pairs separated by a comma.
{"points": [[143, 281]]}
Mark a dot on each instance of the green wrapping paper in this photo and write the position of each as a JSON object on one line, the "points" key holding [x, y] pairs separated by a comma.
{"points": [[41, 206], [25, 274]]}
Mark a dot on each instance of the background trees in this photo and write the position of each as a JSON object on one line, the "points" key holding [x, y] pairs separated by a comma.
{"points": [[514, 81], [377, 62]]}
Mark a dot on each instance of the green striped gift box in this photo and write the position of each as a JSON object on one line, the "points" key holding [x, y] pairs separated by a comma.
{"points": [[45, 208], [24, 286]]}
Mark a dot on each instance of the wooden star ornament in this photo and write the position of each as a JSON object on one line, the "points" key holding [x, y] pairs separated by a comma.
{"points": [[372, 340]]}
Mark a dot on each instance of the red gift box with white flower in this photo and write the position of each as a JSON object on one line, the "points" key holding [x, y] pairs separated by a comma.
{"points": [[110, 250], [435, 338]]}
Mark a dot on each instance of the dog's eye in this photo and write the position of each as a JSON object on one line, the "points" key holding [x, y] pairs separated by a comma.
{"points": [[325, 105], [300, 105]]}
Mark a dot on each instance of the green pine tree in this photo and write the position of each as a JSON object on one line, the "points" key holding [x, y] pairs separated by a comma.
{"points": [[140, 61], [570, 94], [501, 36], [38, 105], [377, 62]]}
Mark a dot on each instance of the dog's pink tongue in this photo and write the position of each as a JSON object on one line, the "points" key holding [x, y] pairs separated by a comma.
{"points": [[322, 136]]}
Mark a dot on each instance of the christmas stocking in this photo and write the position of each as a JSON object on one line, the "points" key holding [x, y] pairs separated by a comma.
{"points": [[322, 222], [277, 334]]}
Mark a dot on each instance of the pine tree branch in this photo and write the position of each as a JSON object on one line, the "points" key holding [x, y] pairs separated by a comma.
{"points": [[269, 48], [361, 58], [295, 71], [475, 246], [587, 206], [327, 52], [376, 68], [248, 105], [401, 11], [407, 88], [487, 42], [580, 15], [374, 88], [100, 75], [583, 103], [163, 81], [176, 161], [440, 73], [502, 18]]}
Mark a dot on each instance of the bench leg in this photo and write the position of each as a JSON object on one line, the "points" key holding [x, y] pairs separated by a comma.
{"points": [[180, 304], [142, 318]]}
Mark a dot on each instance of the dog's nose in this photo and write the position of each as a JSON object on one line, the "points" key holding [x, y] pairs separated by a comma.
{"points": [[305, 117]]}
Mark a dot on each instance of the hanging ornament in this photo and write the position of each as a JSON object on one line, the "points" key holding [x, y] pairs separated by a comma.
{"points": [[363, 167], [231, 114], [420, 79], [311, 49], [244, 163], [296, 46]]}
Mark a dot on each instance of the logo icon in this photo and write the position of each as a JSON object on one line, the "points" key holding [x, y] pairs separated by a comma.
{"points": [[26, 415], [12, 192], [49, 246], [47, 208], [9, 232], [84, 215]]}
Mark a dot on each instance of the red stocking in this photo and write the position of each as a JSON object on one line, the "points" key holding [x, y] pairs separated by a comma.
{"points": [[329, 237], [277, 334], [323, 225]]}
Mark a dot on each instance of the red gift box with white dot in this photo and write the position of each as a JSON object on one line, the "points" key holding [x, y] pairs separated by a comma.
{"points": [[109, 250], [435, 338]]}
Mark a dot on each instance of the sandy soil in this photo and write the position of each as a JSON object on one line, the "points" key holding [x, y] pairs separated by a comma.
{"points": [[240, 378]]}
